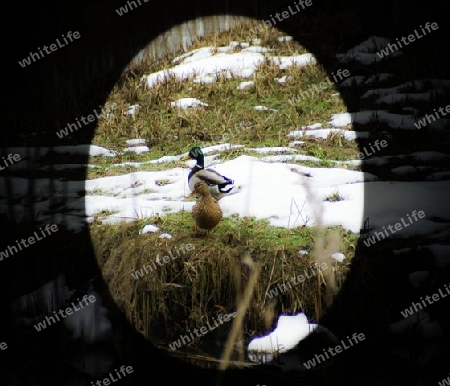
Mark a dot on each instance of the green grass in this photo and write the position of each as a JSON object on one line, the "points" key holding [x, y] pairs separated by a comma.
{"points": [[173, 131], [335, 196]]}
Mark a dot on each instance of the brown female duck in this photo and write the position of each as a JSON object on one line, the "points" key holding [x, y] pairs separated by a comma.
{"points": [[206, 212]]}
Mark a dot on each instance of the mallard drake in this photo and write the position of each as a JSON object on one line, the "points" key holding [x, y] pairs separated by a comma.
{"points": [[206, 212], [219, 185]]}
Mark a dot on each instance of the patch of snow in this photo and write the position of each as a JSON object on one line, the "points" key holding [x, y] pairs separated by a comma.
{"points": [[165, 159], [339, 257], [91, 150], [135, 142], [296, 143], [219, 148], [314, 126], [199, 52], [137, 149], [244, 85], [206, 79], [294, 157], [289, 331], [275, 149], [149, 228], [132, 110], [324, 133], [353, 162], [186, 103], [285, 38], [204, 64], [256, 49], [392, 120], [264, 108], [281, 80], [284, 62]]}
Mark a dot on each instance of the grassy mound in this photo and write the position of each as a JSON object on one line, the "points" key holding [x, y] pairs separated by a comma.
{"points": [[197, 278]]}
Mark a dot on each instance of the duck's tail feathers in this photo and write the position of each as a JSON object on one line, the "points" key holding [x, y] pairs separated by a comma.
{"points": [[228, 190], [226, 187]]}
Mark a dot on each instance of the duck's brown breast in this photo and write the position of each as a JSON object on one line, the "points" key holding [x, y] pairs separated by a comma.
{"points": [[207, 213]]}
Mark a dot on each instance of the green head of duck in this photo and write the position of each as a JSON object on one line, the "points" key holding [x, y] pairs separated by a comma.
{"points": [[197, 154]]}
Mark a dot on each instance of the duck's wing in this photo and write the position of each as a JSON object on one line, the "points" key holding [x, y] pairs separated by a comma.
{"points": [[212, 177]]}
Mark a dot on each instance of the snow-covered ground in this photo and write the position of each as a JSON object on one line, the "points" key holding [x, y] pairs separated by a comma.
{"points": [[272, 187], [141, 194]]}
